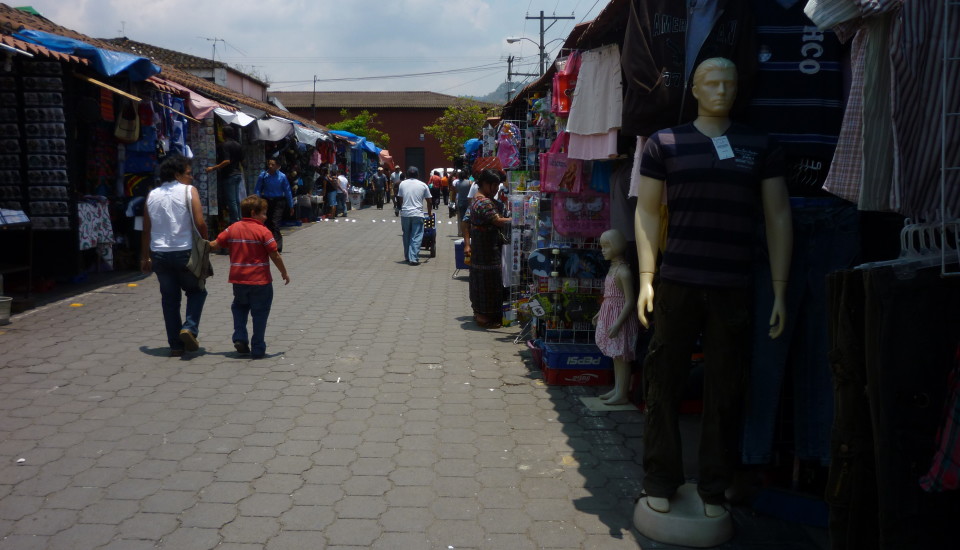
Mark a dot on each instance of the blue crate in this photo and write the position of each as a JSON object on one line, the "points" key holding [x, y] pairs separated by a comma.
{"points": [[575, 356]]}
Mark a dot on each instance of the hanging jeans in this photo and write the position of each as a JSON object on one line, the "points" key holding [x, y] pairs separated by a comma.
{"points": [[174, 279], [909, 333], [681, 313], [851, 488], [825, 239], [912, 330]]}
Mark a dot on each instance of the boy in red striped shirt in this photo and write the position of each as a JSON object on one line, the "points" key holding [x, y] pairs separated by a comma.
{"points": [[251, 244]]}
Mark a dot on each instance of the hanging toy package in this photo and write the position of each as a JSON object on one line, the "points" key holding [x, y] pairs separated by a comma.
{"points": [[508, 145]]}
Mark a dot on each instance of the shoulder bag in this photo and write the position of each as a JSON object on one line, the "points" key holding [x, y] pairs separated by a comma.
{"points": [[199, 262]]}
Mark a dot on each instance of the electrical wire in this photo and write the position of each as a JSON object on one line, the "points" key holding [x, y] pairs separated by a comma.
{"points": [[468, 82], [478, 68]]}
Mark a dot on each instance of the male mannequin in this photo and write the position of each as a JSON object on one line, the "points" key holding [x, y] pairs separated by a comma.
{"points": [[715, 174]]}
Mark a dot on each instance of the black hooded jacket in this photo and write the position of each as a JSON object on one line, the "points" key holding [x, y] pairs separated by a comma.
{"points": [[656, 79]]}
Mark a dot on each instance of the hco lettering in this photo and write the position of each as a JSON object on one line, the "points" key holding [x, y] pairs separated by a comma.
{"points": [[811, 50]]}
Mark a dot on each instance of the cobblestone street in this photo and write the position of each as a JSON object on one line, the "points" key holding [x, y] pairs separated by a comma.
{"points": [[380, 418]]}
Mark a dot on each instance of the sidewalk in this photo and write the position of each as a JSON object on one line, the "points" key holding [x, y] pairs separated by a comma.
{"points": [[380, 418]]}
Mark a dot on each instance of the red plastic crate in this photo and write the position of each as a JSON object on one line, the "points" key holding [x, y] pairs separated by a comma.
{"points": [[578, 377]]}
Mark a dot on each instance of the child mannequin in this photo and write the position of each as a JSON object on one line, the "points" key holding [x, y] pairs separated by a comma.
{"points": [[617, 326]]}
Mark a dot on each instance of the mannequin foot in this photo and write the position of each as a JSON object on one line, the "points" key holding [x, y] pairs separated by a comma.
{"points": [[659, 504], [607, 395], [713, 510], [616, 399]]}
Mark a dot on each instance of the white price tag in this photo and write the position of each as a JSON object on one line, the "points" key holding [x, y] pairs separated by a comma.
{"points": [[724, 150]]}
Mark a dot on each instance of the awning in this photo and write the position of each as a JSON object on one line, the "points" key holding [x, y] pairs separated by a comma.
{"points": [[271, 129], [252, 111], [238, 118], [199, 106], [352, 138], [309, 135], [105, 62]]}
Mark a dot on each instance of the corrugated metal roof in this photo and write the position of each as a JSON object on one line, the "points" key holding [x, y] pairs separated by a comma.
{"points": [[369, 100]]}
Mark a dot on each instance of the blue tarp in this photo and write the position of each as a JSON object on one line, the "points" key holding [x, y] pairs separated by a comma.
{"points": [[345, 134], [472, 145], [105, 62], [360, 142]]}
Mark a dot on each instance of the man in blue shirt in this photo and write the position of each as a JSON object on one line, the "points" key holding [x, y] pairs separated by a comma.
{"points": [[274, 186]]}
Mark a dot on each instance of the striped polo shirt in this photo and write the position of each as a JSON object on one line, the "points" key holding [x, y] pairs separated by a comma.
{"points": [[714, 204], [250, 244]]}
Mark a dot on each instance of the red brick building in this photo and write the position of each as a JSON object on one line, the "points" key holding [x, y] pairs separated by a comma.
{"points": [[402, 116]]}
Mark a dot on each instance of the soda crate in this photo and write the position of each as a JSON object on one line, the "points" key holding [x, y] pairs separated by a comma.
{"points": [[576, 365]]}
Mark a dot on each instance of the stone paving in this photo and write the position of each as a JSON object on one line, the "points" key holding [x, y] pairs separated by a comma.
{"points": [[380, 418]]}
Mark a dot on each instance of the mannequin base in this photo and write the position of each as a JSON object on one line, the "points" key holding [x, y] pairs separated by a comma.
{"points": [[685, 524]]}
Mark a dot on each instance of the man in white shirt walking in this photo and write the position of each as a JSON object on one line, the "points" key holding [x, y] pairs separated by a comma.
{"points": [[413, 194]]}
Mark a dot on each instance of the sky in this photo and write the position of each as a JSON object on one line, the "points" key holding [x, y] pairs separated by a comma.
{"points": [[291, 43]]}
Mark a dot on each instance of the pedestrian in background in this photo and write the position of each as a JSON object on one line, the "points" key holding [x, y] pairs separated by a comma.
{"points": [[273, 185], [379, 187], [342, 190], [331, 187], [395, 178], [434, 185], [251, 244], [168, 239], [230, 155], [461, 190], [445, 187], [412, 194]]}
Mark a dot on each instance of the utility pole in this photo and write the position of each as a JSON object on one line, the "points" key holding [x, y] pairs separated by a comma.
{"points": [[542, 18], [313, 103], [511, 74]]}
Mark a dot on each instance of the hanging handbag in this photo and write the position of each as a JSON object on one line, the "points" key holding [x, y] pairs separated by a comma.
{"points": [[585, 215], [199, 262], [127, 129], [558, 172]]}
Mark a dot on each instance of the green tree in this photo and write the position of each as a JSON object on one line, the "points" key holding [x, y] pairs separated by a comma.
{"points": [[461, 121], [365, 125]]}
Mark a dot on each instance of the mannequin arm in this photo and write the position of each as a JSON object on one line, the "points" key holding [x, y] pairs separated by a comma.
{"points": [[625, 283], [776, 214], [647, 230]]}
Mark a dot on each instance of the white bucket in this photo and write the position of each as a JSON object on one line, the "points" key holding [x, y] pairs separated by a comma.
{"points": [[5, 303]]}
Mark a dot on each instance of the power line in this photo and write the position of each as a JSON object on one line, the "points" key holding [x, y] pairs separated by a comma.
{"points": [[478, 68], [329, 59], [588, 12], [470, 81]]}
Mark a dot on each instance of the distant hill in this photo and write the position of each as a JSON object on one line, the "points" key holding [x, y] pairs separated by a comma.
{"points": [[500, 94]]}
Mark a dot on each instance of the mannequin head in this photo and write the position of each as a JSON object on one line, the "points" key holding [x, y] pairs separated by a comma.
{"points": [[612, 244], [715, 86]]}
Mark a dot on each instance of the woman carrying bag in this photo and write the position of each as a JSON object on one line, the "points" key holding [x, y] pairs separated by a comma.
{"points": [[172, 219]]}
